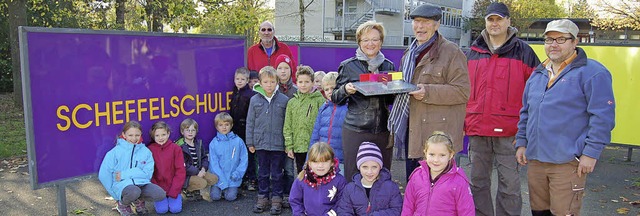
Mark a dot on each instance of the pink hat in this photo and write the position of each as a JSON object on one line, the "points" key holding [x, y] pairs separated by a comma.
{"points": [[285, 58]]}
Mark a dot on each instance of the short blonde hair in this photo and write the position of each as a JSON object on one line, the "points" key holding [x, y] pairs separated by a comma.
{"points": [[369, 25], [223, 117], [304, 70], [267, 72], [187, 123], [331, 77]]}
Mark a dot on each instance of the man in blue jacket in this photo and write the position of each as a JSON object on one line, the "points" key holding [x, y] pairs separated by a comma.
{"points": [[566, 120]]}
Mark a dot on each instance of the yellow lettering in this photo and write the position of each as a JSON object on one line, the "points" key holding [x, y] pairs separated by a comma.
{"points": [[202, 103], [128, 110], [116, 112], [141, 109], [229, 100], [218, 98], [153, 108], [174, 103], [99, 114], [162, 113], [182, 108], [74, 115], [212, 103], [63, 118]]}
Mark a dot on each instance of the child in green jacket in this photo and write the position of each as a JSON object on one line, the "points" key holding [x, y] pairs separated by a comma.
{"points": [[301, 114]]}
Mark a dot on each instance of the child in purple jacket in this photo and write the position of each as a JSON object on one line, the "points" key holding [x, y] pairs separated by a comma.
{"points": [[438, 186], [372, 191], [318, 187]]}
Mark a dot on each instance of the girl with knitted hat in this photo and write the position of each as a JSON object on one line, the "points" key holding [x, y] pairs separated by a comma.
{"points": [[286, 68], [318, 188], [372, 192]]}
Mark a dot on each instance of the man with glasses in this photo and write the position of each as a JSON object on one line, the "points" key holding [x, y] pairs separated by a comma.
{"points": [[499, 65], [265, 52], [566, 120]]}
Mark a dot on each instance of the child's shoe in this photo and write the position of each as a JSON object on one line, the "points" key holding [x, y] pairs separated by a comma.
{"points": [[141, 209], [125, 210], [285, 202], [276, 205], [261, 204], [252, 186]]}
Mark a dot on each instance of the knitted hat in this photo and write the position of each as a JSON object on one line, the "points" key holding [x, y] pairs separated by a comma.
{"points": [[368, 152], [286, 59], [253, 75]]}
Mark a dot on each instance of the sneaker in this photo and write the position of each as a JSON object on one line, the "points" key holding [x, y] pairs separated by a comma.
{"points": [[141, 209], [251, 187], [276, 205], [125, 210], [261, 204], [190, 195]]}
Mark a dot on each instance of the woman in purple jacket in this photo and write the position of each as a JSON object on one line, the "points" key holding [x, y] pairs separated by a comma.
{"points": [[438, 186], [372, 191]]}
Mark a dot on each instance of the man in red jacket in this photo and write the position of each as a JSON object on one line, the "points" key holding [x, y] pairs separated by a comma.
{"points": [[499, 65], [267, 50]]}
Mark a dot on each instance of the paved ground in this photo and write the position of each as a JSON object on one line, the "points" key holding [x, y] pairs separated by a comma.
{"points": [[610, 189]]}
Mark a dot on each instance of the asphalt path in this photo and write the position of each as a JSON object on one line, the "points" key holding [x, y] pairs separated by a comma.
{"points": [[610, 190]]}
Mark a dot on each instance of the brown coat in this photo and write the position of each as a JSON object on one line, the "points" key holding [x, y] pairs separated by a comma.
{"points": [[444, 72]]}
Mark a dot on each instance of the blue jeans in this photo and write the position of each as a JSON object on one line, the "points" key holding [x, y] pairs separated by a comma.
{"points": [[230, 193], [289, 174], [173, 205], [270, 166]]}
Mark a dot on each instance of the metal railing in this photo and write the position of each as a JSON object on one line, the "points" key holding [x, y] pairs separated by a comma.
{"points": [[390, 5]]}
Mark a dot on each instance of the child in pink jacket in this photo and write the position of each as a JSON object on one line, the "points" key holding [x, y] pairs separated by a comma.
{"points": [[438, 186]]}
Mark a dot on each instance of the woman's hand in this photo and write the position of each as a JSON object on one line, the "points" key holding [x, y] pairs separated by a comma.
{"points": [[349, 88]]}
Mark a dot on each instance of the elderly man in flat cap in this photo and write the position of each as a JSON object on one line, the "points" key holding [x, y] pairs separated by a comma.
{"points": [[566, 120], [439, 68]]}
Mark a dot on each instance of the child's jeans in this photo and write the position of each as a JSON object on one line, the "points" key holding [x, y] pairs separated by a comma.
{"points": [[168, 204], [289, 174], [230, 193], [149, 192], [270, 165]]}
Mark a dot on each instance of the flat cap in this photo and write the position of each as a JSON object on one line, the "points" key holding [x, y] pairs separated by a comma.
{"points": [[427, 11]]}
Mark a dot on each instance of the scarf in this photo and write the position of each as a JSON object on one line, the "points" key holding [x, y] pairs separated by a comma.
{"points": [[399, 116], [312, 179], [373, 63]]}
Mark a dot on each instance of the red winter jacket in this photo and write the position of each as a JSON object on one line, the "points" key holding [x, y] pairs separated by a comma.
{"points": [[257, 56], [169, 172], [497, 82]]}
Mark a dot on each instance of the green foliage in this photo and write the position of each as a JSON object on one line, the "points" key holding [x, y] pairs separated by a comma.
{"points": [[242, 17], [6, 77], [625, 14], [581, 9], [12, 141]]}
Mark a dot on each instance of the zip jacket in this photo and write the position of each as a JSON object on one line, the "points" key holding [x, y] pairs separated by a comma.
{"points": [[449, 195], [257, 57], [133, 161], [169, 172], [384, 197], [265, 120], [308, 201], [302, 111], [203, 159], [497, 82], [228, 159], [239, 108], [573, 117], [328, 127]]}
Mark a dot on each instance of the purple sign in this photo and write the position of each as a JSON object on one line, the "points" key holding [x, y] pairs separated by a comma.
{"points": [[81, 86], [327, 58]]}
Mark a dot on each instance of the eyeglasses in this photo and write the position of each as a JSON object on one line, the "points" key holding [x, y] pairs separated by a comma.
{"points": [[190, 131], [266, 29], [559, 40], [377, 40]]}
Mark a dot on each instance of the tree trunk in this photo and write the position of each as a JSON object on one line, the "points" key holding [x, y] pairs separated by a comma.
{"points": [[17, 17], [302, 10], [120, 11], [154, 18]]}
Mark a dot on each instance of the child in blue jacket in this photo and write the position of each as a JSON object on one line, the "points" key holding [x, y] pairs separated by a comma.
{"points": [[126, 172], [372, 192], [328, 125], [227, 159], [319, 187]]}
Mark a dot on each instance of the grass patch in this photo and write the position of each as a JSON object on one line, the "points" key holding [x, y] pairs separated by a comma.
{"points": [[12, 141]]}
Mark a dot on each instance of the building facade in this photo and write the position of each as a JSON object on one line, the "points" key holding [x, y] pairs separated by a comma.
{"points": [[337, 20]]}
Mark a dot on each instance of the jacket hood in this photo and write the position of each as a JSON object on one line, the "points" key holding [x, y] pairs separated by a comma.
{"points": [[455, 170], [163, 146], [225, 137], [311, 95], [258, 88], [481, 45], [383, 176]]}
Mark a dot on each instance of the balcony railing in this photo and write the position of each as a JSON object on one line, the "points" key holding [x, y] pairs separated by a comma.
{"points": [[332, 24], [389, 6]]}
